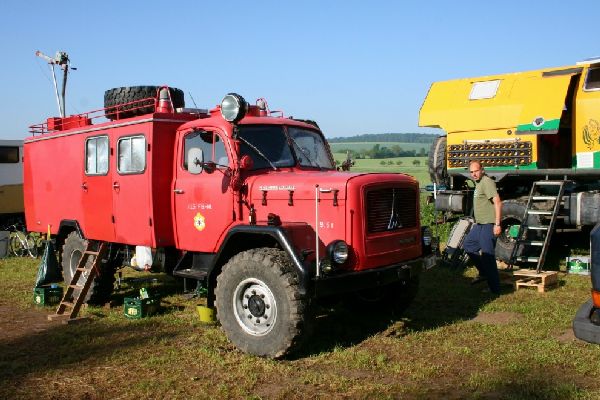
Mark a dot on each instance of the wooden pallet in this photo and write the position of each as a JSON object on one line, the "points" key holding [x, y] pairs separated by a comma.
{"points": [[525, 278]]}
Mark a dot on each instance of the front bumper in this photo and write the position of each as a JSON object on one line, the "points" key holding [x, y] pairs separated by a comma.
{"points": [[349, 282], [583, 327]]}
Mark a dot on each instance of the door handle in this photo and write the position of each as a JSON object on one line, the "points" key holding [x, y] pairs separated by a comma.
{"points": [[178, 191], [116, 185]]}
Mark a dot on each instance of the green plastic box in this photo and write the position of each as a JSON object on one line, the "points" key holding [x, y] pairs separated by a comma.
{"points": [[579, 265], [47, 295], [136, 308]]}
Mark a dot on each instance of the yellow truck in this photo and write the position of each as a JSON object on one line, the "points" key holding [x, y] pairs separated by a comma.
{"points": [[524, 127]]}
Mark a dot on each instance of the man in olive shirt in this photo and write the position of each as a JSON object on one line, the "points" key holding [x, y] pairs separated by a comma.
{"points": [[480, 243]]}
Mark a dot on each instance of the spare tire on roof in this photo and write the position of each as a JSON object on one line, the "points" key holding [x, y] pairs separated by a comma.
{"points": [[127, 94]]}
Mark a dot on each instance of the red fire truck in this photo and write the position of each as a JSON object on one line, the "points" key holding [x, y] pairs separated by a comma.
{"points": [[239, 196]]}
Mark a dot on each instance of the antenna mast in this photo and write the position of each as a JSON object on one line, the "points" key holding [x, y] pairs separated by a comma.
{"points": [[62, 60]]}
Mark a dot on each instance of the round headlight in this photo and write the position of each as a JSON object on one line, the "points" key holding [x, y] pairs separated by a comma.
{"points": [[338, 251], [233, 107]]}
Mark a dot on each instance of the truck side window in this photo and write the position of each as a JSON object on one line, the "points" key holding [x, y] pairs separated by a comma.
{"points": [[131, 155], [592, 80], [96, 155], [213, 148], [9, 155]]}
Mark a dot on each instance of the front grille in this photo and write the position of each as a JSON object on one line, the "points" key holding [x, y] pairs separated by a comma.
{"points": [[391, 209], [491, 154]]}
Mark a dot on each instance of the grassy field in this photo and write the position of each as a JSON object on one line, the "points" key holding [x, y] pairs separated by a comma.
{"points": [[374, 165], [454, 342]]}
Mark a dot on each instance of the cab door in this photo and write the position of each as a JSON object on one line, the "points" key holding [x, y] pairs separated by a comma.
{"points": [[96, 190], [587, 121], [203, 199]]}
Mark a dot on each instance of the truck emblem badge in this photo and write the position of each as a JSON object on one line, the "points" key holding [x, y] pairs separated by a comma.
{"points": [[591, 133], [199, 222]]}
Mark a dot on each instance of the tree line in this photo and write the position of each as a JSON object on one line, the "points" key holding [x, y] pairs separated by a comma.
{"points": [[427, 138], [379, 151]]}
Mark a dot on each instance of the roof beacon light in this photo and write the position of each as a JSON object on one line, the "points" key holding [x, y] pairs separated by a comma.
{"points": [[233, 107]]}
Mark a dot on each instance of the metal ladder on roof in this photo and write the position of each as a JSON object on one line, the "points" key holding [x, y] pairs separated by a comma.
{"points": [[545, 200], [76, 292]]}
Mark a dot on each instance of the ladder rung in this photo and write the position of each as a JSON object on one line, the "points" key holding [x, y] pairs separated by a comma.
{"points": [[539, 212], [538, 228], [68, 304], [527, 259], [549, 183], [93, 253], [76, 286], [531, 242], [545, 197], [81, 269]]}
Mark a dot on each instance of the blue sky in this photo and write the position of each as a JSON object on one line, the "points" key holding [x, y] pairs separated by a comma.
{"points": [[355, 67]]}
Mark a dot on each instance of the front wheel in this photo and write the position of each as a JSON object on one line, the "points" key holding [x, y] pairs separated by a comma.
{"points": [[259, 304]]}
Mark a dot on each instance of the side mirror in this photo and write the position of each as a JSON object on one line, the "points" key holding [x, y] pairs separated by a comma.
{"points": [[209, 167], [195, 160], [246, 162]]}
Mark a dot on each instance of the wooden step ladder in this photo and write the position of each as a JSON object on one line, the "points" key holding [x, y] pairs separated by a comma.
{"points": [[71, 303], [539, 193]]}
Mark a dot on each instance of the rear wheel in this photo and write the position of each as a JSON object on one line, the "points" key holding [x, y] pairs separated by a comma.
{"points": [[437, 162], [102, 287], [259, 303]]}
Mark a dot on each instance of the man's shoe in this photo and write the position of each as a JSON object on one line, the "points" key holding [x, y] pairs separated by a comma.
{"points": [[479, 279]]}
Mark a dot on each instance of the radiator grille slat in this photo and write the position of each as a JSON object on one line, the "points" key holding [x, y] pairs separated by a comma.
{"points": [[391, 209]]}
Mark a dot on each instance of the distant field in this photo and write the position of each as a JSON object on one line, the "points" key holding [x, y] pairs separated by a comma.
{"points": [[407, 167], [357, 146]]}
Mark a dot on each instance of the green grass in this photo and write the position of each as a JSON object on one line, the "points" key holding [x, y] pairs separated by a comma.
{"points": [[436, 350], [374, 165]]}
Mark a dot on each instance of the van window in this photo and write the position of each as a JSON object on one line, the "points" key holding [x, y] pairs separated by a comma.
{"points": [[131, 155], [9, 154], [213, 148], [592, 80], [96, 155]]}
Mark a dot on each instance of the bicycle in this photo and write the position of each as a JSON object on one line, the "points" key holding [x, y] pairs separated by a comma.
{"points": [[21, 243]]}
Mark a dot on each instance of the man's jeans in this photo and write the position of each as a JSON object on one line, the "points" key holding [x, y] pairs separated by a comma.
{"points": [[481, 238]]}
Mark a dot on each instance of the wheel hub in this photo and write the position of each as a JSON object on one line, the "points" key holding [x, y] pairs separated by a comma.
{"points": [[255, 307]]}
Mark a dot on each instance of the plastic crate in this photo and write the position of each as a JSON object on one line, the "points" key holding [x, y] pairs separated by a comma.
{"points": [[47, 295], [136, 308]]}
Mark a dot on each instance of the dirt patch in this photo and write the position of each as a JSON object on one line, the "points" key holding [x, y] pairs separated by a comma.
{"points": [[566, 336], [15, 323], [497, 318]]}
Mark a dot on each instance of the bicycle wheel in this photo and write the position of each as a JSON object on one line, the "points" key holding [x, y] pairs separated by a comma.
{"points": [[32, 246], [17, 244]]}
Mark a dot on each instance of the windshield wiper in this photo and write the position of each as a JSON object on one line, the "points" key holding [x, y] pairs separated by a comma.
{"points": [[305, 153], [257, 151]]}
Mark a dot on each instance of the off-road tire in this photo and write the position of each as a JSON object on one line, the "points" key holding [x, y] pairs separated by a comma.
{"points": [[512, 214], [103, 285], [262, 284], [127, 94], [437, 162], [394, 298]]}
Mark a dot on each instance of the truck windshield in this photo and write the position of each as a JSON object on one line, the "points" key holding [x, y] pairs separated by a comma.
{"points": [[270, 147]]}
